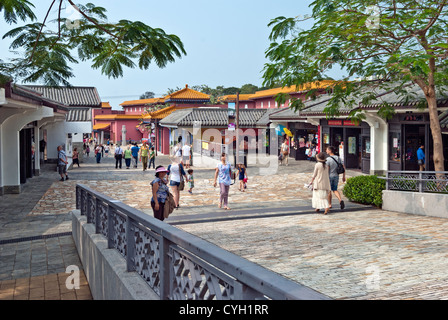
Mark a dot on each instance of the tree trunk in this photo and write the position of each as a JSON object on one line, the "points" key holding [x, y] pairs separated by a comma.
{"points": [[435, 129]]}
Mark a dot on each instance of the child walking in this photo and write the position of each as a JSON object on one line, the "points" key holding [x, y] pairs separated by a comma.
{"points": [[190, 180], [242, 177], [152, 158]]}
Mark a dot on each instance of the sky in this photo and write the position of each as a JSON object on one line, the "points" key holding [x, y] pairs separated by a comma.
{"points": [[225, 43]]}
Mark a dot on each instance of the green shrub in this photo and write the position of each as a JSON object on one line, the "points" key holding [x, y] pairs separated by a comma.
{"points": [[365, 189]]}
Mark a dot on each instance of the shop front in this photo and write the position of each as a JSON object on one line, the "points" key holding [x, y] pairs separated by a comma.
{"points": [[304, 140], [407, 132], [351, 141]]}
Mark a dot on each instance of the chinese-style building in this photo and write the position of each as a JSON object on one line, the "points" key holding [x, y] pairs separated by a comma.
{"points": [[140, 124]]}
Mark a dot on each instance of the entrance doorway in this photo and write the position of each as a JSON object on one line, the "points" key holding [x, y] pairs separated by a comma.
{"points": [[352, 152], [414, 137]]}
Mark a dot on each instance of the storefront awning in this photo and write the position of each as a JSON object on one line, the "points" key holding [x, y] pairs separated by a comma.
{"points": [[101, 126]]}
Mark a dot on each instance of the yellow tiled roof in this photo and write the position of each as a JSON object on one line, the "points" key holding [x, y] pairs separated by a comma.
{"points": [[232, 97], [142, 102], [106, 105], [162, 113], [187, 94], [308, 86], [100, 126]]}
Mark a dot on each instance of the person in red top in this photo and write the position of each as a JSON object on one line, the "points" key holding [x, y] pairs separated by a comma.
{"points": [[75, 157]]}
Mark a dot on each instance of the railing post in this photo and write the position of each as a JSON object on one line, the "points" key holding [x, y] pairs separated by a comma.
{"points": [[78, 197], [130, 244], [97, 216], [387, 180], [243, 292], [164, 269], [420, 182], [82, 202], [110, 226], [88, 209]]}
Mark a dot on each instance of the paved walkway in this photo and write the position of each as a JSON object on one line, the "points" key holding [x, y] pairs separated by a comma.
{"points": [[35, 251], [360, 253]]}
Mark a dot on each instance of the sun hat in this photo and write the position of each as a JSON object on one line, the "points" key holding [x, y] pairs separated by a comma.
{"points": [[161, 169], [322, 157]]}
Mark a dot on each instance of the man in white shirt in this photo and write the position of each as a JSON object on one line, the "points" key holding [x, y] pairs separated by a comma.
{"points": [[118, 156], [186, 149]]}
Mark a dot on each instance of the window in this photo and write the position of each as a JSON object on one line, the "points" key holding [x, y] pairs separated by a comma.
{"points": [[245, 106], [394, 146], [261, 104], [269, 104]]}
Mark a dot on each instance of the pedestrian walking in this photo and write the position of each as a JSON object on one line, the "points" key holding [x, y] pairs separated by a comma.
{"points": [[135, 149], [186, 150], [62, 163], [242, 177], [106, 149], [321, 184], [176, 174], [118, 156], [144, 153], [152, 158], [75, 157], [98, 154], [334, 162], [128, 157], [421, 158], [285, 152], [223, 174], [190, 180], [160, 193], [87, 150]]}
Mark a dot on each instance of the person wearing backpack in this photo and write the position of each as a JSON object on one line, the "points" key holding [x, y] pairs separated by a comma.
{"points": [[336, 168]]}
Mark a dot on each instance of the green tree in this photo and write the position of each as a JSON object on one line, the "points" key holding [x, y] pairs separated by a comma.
{"points": [[392, 41], [248, 89], [46, 53], [148, 95]]}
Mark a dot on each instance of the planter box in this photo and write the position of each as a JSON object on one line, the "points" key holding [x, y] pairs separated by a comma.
{"points": [[425, 204]]}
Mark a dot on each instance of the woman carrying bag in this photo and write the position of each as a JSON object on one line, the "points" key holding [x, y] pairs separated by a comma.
{"points": [[160, 193], [321, 184], [177, 174]]}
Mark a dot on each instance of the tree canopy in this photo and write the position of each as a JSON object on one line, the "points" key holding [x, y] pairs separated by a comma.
{"points": [[386, 44], [46, 51]]}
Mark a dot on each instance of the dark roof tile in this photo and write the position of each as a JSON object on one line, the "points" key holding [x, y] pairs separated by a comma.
{"points": [[71, 96]]}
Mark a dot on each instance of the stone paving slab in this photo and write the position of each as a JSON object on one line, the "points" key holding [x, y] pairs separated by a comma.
{"points": [[45, 287], [369, 254], [362, 254]]}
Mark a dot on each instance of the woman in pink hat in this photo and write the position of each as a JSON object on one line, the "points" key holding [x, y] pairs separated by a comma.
{"points": [[160, 192]]}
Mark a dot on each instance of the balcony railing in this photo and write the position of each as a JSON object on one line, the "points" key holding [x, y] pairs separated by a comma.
{"points": [[178, 265]]}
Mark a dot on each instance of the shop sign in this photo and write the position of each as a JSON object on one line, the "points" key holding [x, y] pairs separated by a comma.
{"points": [[341, 123], [349, 123]]}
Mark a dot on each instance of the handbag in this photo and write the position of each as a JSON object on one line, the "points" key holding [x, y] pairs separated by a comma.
{"points": [[182, 183], [169, 205]]}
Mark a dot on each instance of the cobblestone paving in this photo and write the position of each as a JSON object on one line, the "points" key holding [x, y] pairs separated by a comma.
{"points": [[360, 253]]}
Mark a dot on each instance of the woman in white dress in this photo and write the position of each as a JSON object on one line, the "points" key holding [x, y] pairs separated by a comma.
{"points": [[321, 184]]}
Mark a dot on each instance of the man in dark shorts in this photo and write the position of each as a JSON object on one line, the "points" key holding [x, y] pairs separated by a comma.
{"points": [[332, 162], [62, 163]]}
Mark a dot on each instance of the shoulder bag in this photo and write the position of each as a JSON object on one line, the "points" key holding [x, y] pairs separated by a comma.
{"points": [[182, 183], [340, 169]]}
